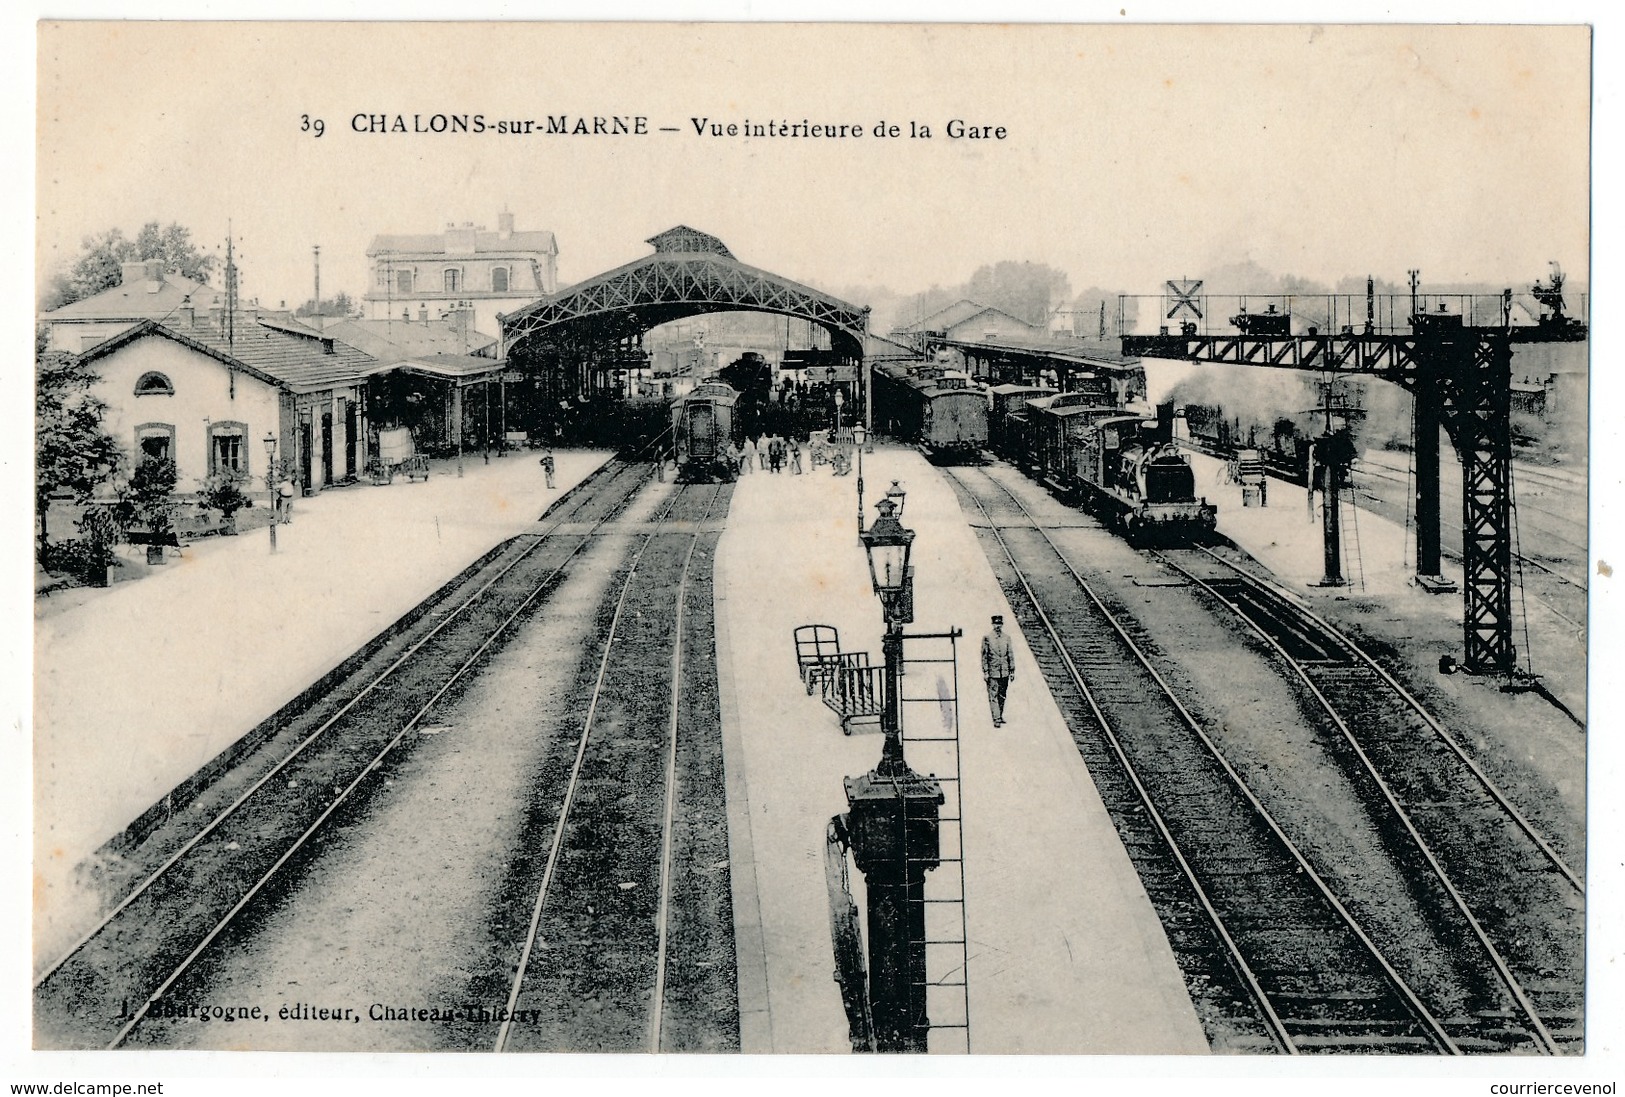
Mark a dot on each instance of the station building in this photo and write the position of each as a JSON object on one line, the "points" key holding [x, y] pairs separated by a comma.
{"points": [[466, 274], [970, 321], [204, 394], [145, 292]]}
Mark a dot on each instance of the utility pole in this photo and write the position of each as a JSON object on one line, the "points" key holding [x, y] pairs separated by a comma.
{"points": [[317, 306]]}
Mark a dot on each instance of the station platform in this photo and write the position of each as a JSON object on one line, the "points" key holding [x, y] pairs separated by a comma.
{"points": [[1067, 955], [140, 684]]}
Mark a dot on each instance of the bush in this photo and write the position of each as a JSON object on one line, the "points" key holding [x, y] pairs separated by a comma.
{"points": [[222, 492], [151, 494], [99, 530]]}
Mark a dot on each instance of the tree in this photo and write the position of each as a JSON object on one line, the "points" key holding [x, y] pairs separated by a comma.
{"points": [[99, 265], [72, 453], [341, 305]]}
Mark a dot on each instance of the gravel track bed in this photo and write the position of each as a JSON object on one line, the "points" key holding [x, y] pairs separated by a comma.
{"points": [[593, 970]]}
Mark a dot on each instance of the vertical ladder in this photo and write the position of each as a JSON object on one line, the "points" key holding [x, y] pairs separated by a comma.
{"points": [[1349, 519], [929, 722]]}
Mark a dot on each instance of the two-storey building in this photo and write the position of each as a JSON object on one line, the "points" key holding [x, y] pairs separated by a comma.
{"points": [[463, 271]]}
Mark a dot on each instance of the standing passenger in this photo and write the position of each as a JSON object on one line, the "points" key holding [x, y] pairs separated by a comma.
{"points": [[998, 668], [761, 450], [747, 456], [548, 464], [795, 457]]}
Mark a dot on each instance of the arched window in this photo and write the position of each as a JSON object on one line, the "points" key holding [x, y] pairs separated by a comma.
{"points": [[227, 449], [499, 279], [154, 384], [453, 277], [155, 440]]}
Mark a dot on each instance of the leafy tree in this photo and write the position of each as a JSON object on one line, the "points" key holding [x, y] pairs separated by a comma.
{"points": [[72, 453], [98, 266], [341, 305]]}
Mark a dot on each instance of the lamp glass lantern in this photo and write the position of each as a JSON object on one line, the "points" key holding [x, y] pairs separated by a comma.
{"points": [[270, 446], [888, 544], [859, 433], [898, 496]]}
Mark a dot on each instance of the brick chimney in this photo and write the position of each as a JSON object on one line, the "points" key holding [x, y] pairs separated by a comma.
{"points": [[504, 225]]}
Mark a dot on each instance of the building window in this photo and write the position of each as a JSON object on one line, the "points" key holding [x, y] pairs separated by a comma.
{"points": [[382, 280], [452, 279], [155, 440], [499, 279], [154, 384], [403, 281], [227, 453]]}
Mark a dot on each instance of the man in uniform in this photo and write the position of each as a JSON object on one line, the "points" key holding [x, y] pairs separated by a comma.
{"points": [[998, 668]]}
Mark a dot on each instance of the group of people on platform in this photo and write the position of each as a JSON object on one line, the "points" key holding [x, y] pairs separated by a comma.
{"points": [[769, 452]]}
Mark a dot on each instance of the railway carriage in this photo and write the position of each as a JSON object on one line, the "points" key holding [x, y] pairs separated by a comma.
{"points": [[702, 423], [937, 409], [1007, 417]]}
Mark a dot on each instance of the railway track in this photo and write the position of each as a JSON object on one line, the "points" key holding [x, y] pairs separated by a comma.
{"points": [[194, 877], [1504, 876], [1293, 950], [597, 955], [1386, 473]]}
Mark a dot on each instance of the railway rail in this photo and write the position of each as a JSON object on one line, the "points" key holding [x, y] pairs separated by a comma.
{"points": [[597, 951], [203, 869], [1316, 977], [1492, 860]]}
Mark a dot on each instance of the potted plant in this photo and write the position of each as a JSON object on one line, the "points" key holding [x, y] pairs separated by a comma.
{"points": [[223, 492], [151, 494]]}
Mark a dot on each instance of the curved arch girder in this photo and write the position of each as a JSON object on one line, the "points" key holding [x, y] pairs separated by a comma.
{"points": [[703, 283]]}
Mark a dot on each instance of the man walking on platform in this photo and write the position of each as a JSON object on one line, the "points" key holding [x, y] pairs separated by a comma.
{"points": [[998, 668]]}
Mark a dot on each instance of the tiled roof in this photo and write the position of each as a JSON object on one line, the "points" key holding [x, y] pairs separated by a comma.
{"points": [[484, 243], [270, 351], [405, 338], [131, 301]]}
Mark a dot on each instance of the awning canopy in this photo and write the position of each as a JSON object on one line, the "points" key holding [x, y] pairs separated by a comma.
{"points": [[462, 370]]}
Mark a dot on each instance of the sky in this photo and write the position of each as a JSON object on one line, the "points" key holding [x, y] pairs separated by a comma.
{"points": [[1130, 154]]}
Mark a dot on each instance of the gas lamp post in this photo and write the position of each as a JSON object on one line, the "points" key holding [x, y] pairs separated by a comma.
{"points": [[858, 434], [270, 482], [893, 814]]}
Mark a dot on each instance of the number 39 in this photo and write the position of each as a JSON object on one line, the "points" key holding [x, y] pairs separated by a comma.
{"points": [[307, 124]]}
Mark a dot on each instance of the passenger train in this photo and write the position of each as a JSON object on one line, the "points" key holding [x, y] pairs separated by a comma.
{"points": [[702, 425], [934, 407]]}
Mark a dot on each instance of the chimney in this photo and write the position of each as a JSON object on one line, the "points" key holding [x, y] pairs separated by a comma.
{"points": [[504, 224], [155, 275], [423, 313], [188, 314], [131, 273]]}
